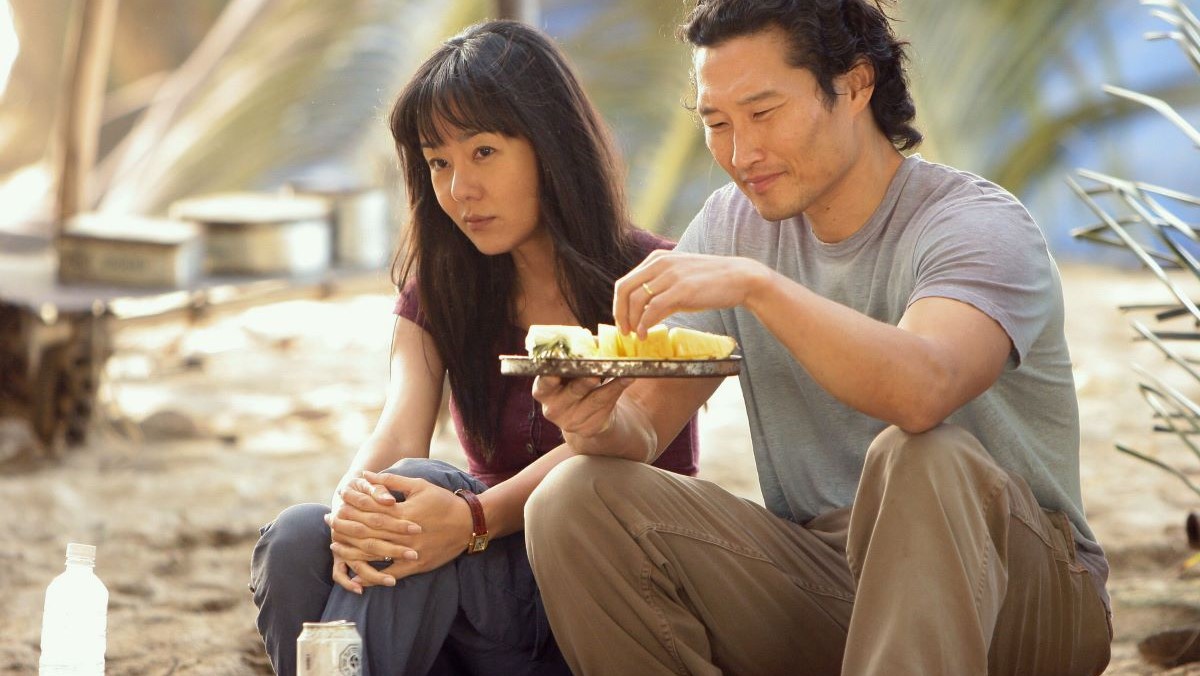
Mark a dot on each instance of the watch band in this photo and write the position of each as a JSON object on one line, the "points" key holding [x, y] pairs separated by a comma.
{"points": [[479, 532]]}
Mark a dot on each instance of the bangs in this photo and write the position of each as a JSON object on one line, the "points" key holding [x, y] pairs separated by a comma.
{"points": [[457, 95]]}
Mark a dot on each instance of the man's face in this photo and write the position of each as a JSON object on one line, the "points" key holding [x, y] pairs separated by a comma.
{"points": [[767, 124]]}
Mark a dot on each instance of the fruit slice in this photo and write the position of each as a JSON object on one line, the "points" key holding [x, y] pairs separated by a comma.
{"points": [[613, 345], [657, 344], [689, 344], [608, 342], [628, 343], [549, 341], [574, 342]]}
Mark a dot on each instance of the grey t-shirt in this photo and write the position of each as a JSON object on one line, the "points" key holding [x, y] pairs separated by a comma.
{"points": [[938, 232]]}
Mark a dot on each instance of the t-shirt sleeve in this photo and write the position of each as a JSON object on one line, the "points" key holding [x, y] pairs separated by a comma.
{"points": [[696, 240], [648, 242], [987, 252], [408, 305]]}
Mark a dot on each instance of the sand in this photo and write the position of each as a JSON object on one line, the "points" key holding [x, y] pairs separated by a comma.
{"points": [[208, 432]]}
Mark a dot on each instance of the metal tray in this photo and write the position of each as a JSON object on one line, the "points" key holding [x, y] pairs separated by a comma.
{"points": [[519, 365]]}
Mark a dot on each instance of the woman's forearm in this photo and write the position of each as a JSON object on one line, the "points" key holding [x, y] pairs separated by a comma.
{"points": [[504, 504], [377, 454], [630, 435]]}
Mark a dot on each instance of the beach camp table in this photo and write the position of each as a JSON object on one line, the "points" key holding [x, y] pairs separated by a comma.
{"points": [[55, 338]]}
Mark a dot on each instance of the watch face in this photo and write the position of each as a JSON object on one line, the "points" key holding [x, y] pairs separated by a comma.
{"points": [[478, 544]]}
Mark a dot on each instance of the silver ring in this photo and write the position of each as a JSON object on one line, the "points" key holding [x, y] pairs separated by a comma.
{"points": [[387, 559]]}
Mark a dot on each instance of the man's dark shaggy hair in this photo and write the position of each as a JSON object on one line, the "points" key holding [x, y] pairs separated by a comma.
{"points": [[828, 37]]}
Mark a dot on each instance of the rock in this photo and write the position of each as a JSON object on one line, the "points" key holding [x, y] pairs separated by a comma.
{"points": [[166, 425], [17, 441], [1172, 647]]}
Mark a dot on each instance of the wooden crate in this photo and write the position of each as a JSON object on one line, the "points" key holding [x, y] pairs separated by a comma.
{"points": [[51, 365]]}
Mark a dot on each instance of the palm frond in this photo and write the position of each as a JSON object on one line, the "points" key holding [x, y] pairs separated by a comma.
{"points": [[288, 85]]}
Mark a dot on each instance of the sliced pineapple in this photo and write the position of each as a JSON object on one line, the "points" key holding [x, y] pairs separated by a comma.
{"points": [[689, 344], [657, 344], [608, 342], [663, 343], [575, 342], [628, 343], [612, 344], [549, 341]]}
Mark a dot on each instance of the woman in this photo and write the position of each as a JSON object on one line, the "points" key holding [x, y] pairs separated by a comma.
{"points": [[517, 219]]}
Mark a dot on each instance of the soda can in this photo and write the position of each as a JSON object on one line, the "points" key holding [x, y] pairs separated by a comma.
{"points": [[329, 649]]}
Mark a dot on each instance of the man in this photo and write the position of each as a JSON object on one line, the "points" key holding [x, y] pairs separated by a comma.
{"points": [[907, 383]]}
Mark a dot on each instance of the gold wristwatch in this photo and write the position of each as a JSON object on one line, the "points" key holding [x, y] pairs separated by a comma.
{"points": [[479, 533]]}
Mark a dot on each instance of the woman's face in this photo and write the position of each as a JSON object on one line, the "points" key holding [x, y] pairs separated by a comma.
{"points": [[488, 184]]}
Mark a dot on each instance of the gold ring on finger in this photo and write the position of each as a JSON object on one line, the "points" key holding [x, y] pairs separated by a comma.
{"points": [[647, 289]]}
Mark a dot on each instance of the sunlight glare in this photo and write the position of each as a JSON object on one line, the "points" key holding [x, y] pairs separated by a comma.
{"points": [[10, 45], [24, 194]]}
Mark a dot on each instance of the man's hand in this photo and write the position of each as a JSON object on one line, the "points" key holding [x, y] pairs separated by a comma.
{"points": [[668, 282], [423, 532]]}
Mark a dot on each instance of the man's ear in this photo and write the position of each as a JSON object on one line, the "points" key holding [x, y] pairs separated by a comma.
{"points": [[858, 83]]}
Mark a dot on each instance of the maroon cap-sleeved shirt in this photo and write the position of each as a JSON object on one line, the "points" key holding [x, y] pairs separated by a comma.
{"points": [[523, 434]]}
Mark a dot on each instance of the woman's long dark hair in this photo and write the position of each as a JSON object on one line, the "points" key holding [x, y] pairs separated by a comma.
{"points": [[505, 77]]}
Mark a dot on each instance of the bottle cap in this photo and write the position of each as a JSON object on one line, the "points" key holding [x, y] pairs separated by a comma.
{"points": [[76, 550]]}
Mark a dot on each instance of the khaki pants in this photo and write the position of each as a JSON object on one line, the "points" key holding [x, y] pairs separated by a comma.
{"points": [[945, 565]]}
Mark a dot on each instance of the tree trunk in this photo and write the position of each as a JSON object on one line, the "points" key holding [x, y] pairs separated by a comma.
{"points": [[83, 105], [520, 10]]}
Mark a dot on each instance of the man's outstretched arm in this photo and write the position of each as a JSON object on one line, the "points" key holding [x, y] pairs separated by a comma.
{"points": [[942, 354]]}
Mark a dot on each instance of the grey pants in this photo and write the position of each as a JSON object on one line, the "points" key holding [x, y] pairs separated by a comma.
{"points": [[476, 615]]}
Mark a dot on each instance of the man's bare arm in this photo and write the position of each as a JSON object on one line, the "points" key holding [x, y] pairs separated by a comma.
{"points": [[942, 354]]}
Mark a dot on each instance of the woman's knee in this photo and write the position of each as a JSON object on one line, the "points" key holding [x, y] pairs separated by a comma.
{"points": [[436, 472], [298, 539], [298, 525]]}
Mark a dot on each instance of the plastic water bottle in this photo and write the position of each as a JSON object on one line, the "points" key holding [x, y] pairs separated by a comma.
{"points": [[75, 618]]}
